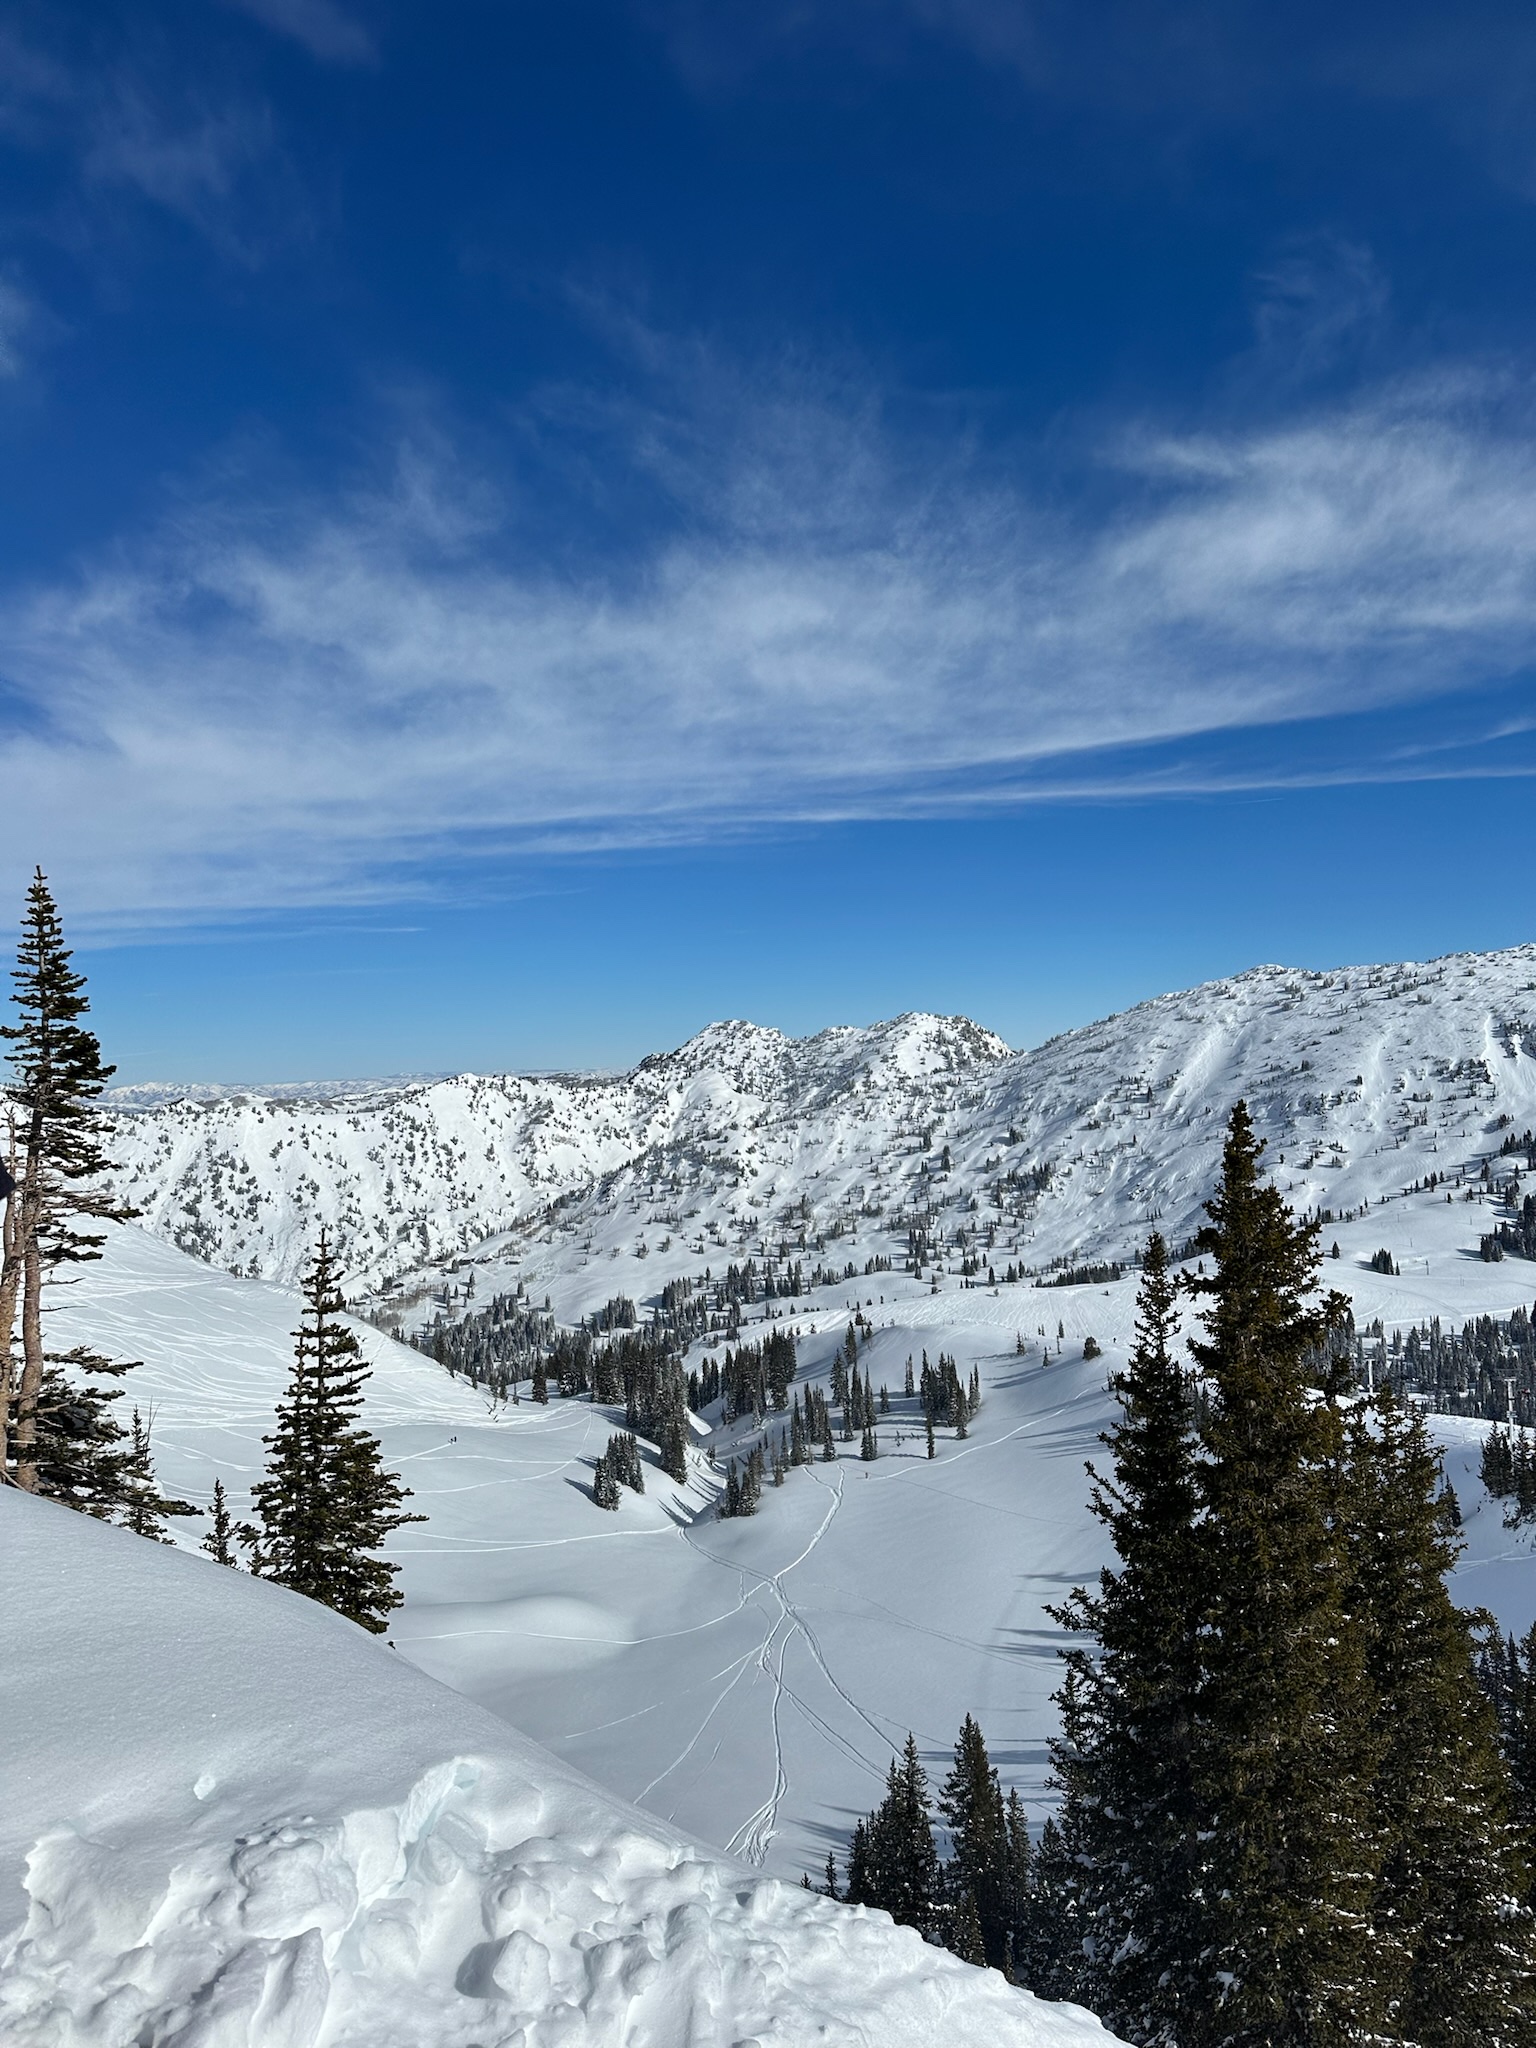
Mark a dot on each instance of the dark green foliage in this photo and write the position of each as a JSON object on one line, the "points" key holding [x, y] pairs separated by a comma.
{"points": [[220, 1540], [1285, 1822], [144, 1507], [893, 1863], [1048, 1951], [57, 1076], [79, 1452], [673, 1448], [623, 1455], [58, 1079], [1383, 1262], [326, 1504], [605, 1484], [964, 1936], [1126, 1758], [1092, 1349], [1282, 1755], [1451, 1936], [979, 1873]]}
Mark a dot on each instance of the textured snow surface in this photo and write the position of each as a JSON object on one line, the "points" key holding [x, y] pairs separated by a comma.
{"points": [[1364, 1078], [231, 1820]]}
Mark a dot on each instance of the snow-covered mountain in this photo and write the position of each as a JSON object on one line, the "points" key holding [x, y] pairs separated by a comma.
{"points": [[834, 1150], [242, 1821]]}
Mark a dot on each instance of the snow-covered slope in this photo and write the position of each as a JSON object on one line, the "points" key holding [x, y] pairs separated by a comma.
{"points": [[831, 1149], [749, 1680], [235, 1821]]}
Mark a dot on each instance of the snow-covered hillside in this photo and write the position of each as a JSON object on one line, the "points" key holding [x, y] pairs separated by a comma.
{"points": [[750, 1680], [857, 1145], [239, 1822]]}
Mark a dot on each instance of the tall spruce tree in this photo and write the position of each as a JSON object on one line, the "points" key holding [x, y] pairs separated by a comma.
{"points": [[57, 1079], [1283, 1755], [1125, 1759], [326, 1504], [978, 1870], [893, 1862], [1048, 1952], [1450, 1920]]}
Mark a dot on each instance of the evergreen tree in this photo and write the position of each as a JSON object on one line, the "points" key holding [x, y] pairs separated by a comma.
{"points": [[964, 1937], [605, 1484], [1126, 1758], [979, 1869], [57, 1079], [1282, 1756], [1449, 1918], [220, 1540], [144, 1506], [1048, 1954], [1018, 1881], [903, 1864], [1514, 1696], [673, 1449], [326, 1504], [78, 1448]]}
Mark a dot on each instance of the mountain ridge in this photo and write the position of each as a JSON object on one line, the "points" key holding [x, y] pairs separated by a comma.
{"points": [[919, 1136]]}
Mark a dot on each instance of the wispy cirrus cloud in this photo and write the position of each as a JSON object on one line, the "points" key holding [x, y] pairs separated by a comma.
{"points": [[329, 33], [283, 699]]}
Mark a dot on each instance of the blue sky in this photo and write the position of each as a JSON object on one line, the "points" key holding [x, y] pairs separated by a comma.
{"points": [[531, 528]]}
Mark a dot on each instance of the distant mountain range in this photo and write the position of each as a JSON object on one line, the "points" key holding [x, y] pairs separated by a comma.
{"points": [[922, 1136]]}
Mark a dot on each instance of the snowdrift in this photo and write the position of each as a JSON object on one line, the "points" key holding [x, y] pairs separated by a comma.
{"points": [[231, 1820]]}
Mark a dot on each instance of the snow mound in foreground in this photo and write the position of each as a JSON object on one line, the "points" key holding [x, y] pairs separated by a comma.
{"points": [[231, 1820]]}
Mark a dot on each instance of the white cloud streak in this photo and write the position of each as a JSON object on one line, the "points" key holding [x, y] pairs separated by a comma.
{"points": [[279, 703]]}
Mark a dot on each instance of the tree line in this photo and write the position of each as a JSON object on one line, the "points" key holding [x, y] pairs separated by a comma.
{"points": [[325, 1504]]}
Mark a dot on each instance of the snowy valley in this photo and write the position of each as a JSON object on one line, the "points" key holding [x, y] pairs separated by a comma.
{"points": [[738, 1682]]}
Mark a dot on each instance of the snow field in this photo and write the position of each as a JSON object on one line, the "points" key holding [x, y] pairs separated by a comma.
{"points": [[242, 1823]]}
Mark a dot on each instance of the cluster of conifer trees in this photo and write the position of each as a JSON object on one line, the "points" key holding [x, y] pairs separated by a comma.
{"points": [[618, 1466], [1286, 1816], [1508, 1470], [982, 1902], [1297, 1796]]}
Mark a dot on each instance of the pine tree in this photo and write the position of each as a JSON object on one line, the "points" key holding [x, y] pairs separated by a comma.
{"points": [[326, 1504], [1450, 1925], [1126, 1758], [78, 1448], [57, 1079], [219, 1542], [979, 1866], [1281, 1759], [605, 1484], [1018, 1881], [903, 1864], [1048, 1955], [964, 1935], [673, 1449], [144, 1506]]}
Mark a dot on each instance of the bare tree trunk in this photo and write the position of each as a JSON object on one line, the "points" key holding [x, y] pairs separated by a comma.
{"points": [[29, 1394], [10, 1288], [31, 1363]]}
